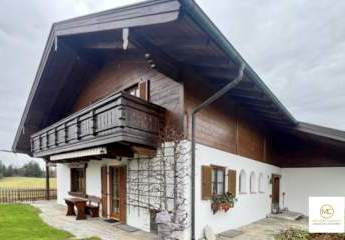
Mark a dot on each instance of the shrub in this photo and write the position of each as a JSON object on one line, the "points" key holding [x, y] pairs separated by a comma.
{"points": [[297, 234], [293, 234]]}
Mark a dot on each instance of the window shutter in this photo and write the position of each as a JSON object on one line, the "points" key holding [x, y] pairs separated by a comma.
{"points": [[206, 178], [232, 182], [144, 90]]}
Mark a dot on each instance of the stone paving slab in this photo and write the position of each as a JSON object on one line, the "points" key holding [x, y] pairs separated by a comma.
{"points": [[266, 228], [55, 215]]}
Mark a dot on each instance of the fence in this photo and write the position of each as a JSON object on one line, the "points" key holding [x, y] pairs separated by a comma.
{"points": [[12, 195]]}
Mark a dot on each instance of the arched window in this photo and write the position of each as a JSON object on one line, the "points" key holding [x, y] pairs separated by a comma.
{"points": [[261, 183], [243, 184], [252, 182]]}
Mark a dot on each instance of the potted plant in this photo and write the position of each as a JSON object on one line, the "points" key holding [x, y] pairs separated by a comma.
{"points": [[222, 202]]}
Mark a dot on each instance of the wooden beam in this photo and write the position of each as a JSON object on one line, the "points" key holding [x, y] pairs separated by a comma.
{"points": [[226, 74], [229, 69], [184, 42], [47, 182], [270, 117], [274, 112], [258, 105], [143, 14], [157, 59], [274, 121], [251, 99], [247, 94], [111, 45], [206, 61], [246, 85]]}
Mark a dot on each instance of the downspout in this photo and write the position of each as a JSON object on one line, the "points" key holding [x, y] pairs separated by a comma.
{"points": [[198, 108]]}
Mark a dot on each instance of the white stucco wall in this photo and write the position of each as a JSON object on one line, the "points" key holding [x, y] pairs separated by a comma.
{"points": [[300, 183], [139, 218], [249, 207], [93, 179], [63, 182]]}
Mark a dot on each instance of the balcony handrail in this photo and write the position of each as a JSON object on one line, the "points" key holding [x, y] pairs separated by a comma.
{"points": [[96, 105]]}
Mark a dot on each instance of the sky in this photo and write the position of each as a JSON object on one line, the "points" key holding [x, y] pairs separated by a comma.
{"points": [[297, 47]]}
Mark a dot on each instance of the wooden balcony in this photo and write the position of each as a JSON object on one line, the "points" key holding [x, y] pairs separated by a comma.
{"points": [[118, 118]]}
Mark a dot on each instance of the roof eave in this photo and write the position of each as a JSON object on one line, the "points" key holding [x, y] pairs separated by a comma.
{"points": [[91, 23], [203, 20]]}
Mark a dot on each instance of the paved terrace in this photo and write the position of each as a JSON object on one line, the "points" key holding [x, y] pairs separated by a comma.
{"points": [[266, 228], [55, 215]]}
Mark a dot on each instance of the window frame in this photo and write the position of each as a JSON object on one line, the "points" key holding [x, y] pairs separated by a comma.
{"points": [[134, 87], [252, 183], [214, 184], [81, 192], [261, 186], [242, 185]]}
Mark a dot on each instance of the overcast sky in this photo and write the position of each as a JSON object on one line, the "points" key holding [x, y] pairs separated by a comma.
{"points": [[296, 46]]}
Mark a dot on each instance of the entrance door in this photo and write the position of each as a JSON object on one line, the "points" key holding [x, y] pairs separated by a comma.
{"points": [[118, 193], [275, 193]]}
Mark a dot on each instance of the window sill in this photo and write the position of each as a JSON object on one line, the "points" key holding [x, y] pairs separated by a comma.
{"points": [[243, 193], [253, 192]]}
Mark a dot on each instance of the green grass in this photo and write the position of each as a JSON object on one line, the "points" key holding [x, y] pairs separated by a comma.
{"points": [[20, 221], [25, 182]]}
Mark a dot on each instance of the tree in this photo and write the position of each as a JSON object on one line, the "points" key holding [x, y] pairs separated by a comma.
{"points": [[2, 167], [32, 169], [9, 171]]}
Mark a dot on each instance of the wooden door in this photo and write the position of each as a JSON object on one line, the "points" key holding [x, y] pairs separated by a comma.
{"points": [[276, 189], [275, 193], [118, 193], [104, 190]]}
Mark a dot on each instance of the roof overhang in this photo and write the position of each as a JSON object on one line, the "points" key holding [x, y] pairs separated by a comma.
{"points": [[145, 13], [175, 33]]}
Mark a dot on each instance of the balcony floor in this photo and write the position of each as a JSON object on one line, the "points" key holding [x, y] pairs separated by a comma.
{"points": [[55, 215]]}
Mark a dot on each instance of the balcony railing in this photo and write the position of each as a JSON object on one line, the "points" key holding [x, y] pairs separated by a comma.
{"points": [[118, 118]]}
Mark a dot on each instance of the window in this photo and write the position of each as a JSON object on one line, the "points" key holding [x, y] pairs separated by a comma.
{"points": [[252, 182], [140, 90], [243, 184], [78, 180], [133, 90], [218, 180], [261, 183]]}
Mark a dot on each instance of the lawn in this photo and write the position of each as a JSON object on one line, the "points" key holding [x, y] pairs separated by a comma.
{"points": [[25, 182], [20, 221]]}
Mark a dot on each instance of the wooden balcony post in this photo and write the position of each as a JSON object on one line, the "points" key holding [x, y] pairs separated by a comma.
{"points": [[93, 122], [47, 181], [55, 137]]}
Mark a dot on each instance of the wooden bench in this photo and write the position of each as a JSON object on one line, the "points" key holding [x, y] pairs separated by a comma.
{"points": [[92, 206]]}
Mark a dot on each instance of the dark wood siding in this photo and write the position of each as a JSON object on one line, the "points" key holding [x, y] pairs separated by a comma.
{"points": [[297, 151], [118, 76], [224, 125]]}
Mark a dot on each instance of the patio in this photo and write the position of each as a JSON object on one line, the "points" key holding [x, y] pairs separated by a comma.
{"points": [[55, 215], [266, 228]]}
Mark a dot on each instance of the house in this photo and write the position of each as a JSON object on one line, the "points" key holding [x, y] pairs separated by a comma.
{"points": [[109, 83]]}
